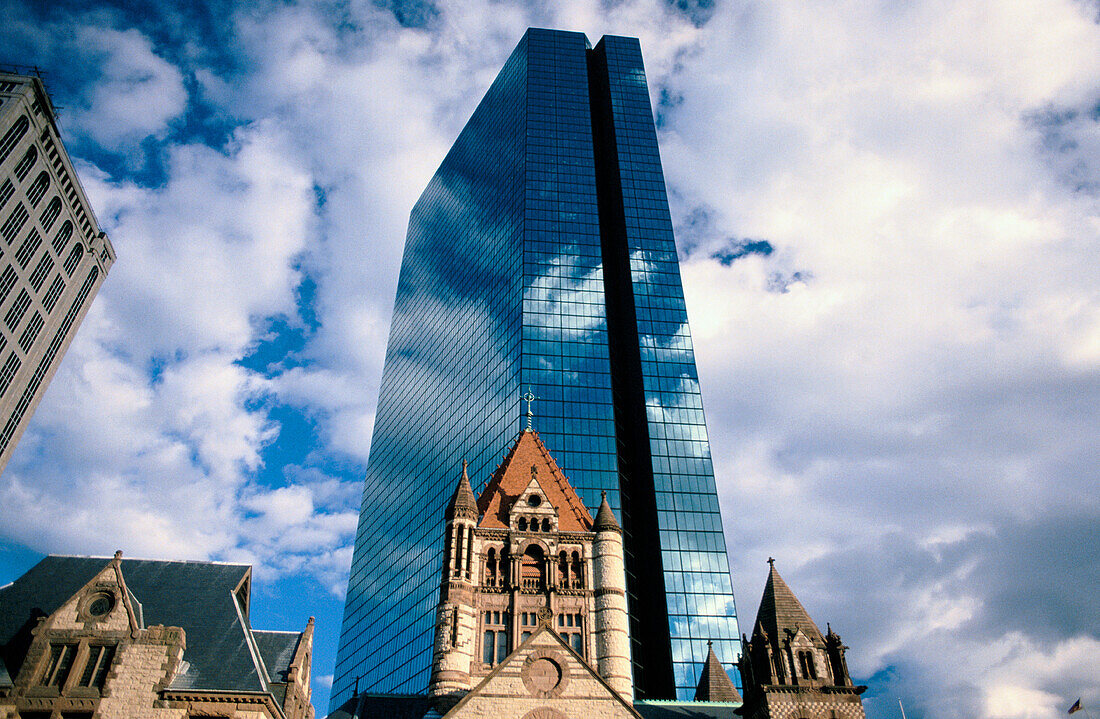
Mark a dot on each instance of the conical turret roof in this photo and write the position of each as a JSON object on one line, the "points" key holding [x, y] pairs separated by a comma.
{"points": [[463, 504], [605, 518], [780, 611], [528, 458], [715, 684]]}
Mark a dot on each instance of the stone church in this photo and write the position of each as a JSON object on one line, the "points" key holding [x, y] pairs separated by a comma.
{"points": [[532, 620]]}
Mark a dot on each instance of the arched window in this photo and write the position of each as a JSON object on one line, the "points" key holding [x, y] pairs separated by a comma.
{"points": [[533, 568], [12, 136], [36, 191], [491, 568], [546, 525], [74, 258], [806, 659], [577, 580], [50, 214], [62, 237], [26, 163], [563, 569], [522, 524]]}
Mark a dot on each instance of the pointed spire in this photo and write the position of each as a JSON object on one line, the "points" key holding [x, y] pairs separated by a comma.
{"points": [[605, 518], [529, 397], [463, 504], [715, 684], [780, 611]]}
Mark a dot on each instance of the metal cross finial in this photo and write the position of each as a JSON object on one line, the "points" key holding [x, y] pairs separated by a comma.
{"points": [[771, 561], [529, 398]]}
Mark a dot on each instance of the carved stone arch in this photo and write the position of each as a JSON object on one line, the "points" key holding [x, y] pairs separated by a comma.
{"points": [[544, 713]]}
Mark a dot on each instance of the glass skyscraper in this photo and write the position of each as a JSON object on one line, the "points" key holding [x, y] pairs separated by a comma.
{"points": [[541, 256]]}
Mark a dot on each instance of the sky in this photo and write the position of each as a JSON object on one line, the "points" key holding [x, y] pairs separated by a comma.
{"points": [[888, 218]]}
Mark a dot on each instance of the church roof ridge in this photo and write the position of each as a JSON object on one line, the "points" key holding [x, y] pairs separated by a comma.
{"points": [[505, 486]]}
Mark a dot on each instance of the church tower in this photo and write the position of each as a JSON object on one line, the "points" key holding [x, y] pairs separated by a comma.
{"points": [[524, 557], [789, 668]]}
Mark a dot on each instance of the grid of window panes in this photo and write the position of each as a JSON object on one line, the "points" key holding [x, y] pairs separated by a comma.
{"points": [[501, 291], [450, 390], [696, 567], [565, 355], [39, 205]]}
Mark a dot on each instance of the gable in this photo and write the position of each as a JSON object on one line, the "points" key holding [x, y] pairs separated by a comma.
{"points": [[543, 677], [103, 603], [528, 460]]}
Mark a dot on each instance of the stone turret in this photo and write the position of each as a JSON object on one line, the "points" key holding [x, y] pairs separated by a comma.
{"points": [[522, 561], [612, 621], [457, 615], [788, 668]]}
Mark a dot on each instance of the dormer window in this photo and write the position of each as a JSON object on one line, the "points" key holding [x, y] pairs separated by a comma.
{"points": [[806, 659]]}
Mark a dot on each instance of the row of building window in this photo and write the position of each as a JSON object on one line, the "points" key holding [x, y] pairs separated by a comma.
{"points": [[62, 657], [25, 399]]}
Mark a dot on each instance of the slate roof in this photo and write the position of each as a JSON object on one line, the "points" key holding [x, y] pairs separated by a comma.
{"points": [[197, 596], [715, 684], [514, 474], [605, 518], [781, 611], [462, 502]]}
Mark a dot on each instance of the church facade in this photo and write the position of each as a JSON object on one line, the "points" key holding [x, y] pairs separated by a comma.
{"points": [[532, 618], [532, 622]]}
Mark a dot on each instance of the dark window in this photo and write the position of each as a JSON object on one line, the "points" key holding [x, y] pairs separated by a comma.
{"points": [[17, 310], [806, 659], [62, 237], [26, 163], [532, 568], [7, 372], [38, 189], [52, 294], [28, 248], [74, 259], [7, 282], [61, 661], [99, 663], [49, 215], [14, 223], [41, 271], [30, 332], [6, 192], [12, 136]]}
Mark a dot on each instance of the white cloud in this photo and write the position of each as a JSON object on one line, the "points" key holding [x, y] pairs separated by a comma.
{"points": [[138, 93], [909, 423]]}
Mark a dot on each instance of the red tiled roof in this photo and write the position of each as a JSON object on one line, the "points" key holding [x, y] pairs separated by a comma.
{"points": [[514, 474]]}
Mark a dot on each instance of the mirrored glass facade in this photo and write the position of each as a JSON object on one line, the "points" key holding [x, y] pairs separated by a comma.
{"points": [[541, 256]]}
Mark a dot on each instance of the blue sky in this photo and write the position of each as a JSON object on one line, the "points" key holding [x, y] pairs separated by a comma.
{"points": [[888, 216]]}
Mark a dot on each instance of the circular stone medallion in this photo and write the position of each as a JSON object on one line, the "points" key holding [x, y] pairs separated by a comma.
{"points": [[543, 674]]}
